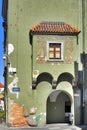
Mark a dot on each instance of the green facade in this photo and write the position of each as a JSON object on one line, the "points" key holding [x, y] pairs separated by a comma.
{"points": [[22, 16]]}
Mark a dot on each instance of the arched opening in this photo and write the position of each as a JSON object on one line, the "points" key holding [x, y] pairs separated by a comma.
{"points": [[58, 107], [44, 77], [65, 77]]}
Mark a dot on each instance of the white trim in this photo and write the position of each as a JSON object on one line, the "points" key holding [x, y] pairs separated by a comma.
{"points": [[62, 50]]}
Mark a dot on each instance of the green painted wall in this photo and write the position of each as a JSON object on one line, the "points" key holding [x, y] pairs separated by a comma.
{"points": [[22, 15], [54, 68]]}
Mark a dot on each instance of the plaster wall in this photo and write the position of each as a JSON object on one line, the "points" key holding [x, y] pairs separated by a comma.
{"points": [[40, 62], [22, 15]]}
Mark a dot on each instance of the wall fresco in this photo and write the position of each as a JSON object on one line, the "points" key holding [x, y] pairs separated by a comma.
{"points": [[41, 49]]}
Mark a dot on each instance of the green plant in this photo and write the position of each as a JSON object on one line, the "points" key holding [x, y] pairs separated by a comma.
{"points": [[2, 114]]}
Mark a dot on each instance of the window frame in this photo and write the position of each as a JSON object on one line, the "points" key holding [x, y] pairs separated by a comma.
{"points": [[62, 50]]}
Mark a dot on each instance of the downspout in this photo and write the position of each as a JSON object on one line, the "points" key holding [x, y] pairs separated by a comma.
{"points": [[31, 43], [83, 24], [83, 63]]}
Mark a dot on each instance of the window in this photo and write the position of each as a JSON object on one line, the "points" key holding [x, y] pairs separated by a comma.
{"points": [[54, 51]]}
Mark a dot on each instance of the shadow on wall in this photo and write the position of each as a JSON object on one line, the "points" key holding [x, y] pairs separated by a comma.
{"points": [[49, 78]]}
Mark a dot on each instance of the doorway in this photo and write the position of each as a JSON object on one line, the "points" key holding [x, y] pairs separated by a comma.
{"points": [[67, 111], [58, 104]]}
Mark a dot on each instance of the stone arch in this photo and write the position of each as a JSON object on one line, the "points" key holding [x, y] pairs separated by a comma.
{"points": [[44, 77], [55, 107], [65, 77]]}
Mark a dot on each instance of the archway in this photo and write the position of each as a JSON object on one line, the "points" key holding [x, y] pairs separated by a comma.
{"points": [[58, 104], [65, 77], [44, 77]]}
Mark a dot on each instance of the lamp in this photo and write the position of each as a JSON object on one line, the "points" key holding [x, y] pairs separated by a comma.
{"points": [[11, 69]]}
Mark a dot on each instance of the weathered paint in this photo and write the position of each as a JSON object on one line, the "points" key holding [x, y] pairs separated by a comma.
{"points": [[22, 15]]}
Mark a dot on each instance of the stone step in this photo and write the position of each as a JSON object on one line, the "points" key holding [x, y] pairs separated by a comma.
{"points": [[62, 127]]}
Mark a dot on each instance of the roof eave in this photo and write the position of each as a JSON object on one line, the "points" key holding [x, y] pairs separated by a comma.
{"points": [[55, 33], [31, 33]]}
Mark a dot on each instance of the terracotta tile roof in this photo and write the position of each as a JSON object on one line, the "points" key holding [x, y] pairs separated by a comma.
{"points": [[58, 28], [1, 85]]}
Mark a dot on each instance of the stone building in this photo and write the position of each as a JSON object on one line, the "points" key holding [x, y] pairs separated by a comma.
{"points": [[45, 59], [53, 49]]}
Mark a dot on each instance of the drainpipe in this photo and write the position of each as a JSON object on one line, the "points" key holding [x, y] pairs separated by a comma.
{"points": [[83, 90], [83, 63]]}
